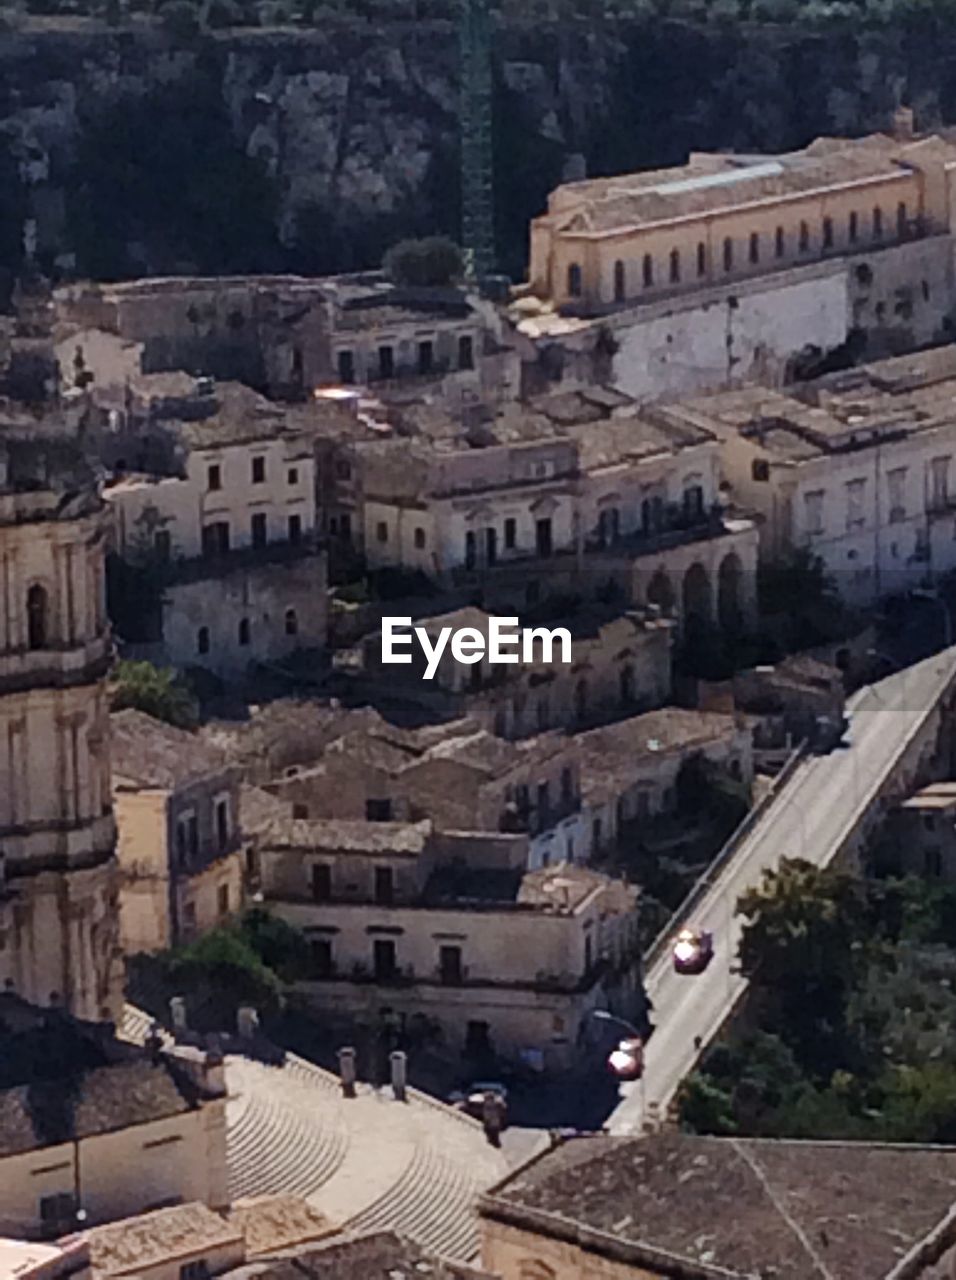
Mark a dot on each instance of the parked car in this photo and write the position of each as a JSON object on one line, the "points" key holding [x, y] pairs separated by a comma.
{"points": [[471, 1100], [693, 951]]}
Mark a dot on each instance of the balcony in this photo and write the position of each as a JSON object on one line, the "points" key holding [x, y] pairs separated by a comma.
{"points": [[677, 528]]}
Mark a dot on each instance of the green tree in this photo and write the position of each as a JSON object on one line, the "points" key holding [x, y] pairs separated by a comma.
{"points": [[158, 691], [432, 261], [799, 601], [799, 949]]}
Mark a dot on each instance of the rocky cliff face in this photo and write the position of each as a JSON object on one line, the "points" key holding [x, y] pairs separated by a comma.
{"points": [[314, 150]]}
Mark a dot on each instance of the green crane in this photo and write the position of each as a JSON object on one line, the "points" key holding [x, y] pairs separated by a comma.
{"points": [[477, 189]]}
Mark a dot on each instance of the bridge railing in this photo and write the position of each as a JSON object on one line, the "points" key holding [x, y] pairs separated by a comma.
{"points": [[708, 878]]}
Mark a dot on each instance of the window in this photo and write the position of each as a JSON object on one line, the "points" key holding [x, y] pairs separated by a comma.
{"points": [[244, 631], [223, 900], [346, 363], [189, 916], [57, 1209], [896, 485], [202, 640], [760, 469], [386, 362], [449, 965], [343, 470], [647, 270], [260, 534], [384, 886], [675, 266], [828, 233], [567, 785], [701, 259], [320, 957], [754, 247], [420, 538], [853, 228], [37, 621], [222, 824], [877, 223], [258, 470], [855, 513], [215, 538], [295, 529], [728, 254], [198, 1270], [384, 958], [491, 546], [780, 242], [901, 224], [321, 882], [939, 483], [544, 803], [213, 478], [804, 237], [693, 501], [292, 475], [574, 280], [300, 811], [542, 535], [511, 533], [378, 810], [620, 287], [471, 549], [813, 505], [466, 352], [426, 356], [291, 622], [542, 712], [596, 831], [162, 545], [187, 839]]}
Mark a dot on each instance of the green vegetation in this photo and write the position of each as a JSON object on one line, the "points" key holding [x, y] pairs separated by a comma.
{"points": [[435, 260], [250, 961], [853, 985], [158, 691]]}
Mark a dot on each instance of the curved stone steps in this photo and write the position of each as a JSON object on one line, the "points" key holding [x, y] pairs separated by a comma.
{"points": [[272, 1148]]}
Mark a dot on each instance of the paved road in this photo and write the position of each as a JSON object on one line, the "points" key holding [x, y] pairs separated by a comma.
{"points": [[810, 818]]}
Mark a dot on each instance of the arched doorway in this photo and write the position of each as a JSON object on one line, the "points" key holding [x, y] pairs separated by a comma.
{"points": [[697, 602], [661, 593], [729, 613]]}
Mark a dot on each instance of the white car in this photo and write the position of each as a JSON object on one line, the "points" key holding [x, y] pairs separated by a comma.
{"points": [[693, 951]]}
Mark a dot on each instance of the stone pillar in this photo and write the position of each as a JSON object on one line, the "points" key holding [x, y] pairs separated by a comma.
{"points": [[399, 1064], [347, 1071]]}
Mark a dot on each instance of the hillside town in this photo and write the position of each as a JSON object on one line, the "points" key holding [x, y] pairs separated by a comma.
{"points": [[634, 960]]}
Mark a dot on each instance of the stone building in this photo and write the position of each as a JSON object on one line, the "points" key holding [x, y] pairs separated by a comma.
{"points": [[176, 801], [576, 494], [857, 468], [738, 267], [619, 663], [228, 539], [454, 931], [95, 1129], [58, 919]]}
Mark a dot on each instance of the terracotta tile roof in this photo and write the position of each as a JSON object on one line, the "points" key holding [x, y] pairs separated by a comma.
{"points": [[273, 1223], [183, 1231], [737, 1207], [381, 1256], [150, 753], [405, 838]]}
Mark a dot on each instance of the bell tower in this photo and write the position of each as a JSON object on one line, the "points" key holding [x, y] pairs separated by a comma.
{"points": [[58, 893]]}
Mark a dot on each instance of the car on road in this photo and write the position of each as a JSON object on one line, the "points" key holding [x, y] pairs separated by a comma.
{"points": [[627, 1060], [693, 951], [471, 1100]]}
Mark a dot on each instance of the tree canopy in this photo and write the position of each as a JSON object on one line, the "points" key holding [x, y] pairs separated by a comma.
{"points": [[158, 691], [432, 261]]}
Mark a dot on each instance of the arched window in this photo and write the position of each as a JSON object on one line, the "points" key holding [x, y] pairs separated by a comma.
{"points": [[648, 270], [243, 631], [675, 266], [37, 620], [804, 237], [701, 259], [901, 226], [291, 623], [828, 233], [574, 280], [754, 247], [728, 254], [853, 227], [780, 242], [202, 640], [877, 223], [620, 291]]}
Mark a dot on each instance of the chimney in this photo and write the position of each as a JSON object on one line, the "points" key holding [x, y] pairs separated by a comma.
{"points": [[399, 1075], [347, 1071], [903, 127], [247, 1022], [177, 1014]]}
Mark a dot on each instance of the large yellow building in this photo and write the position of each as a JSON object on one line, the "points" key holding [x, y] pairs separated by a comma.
{"points": [[720, 218]]}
